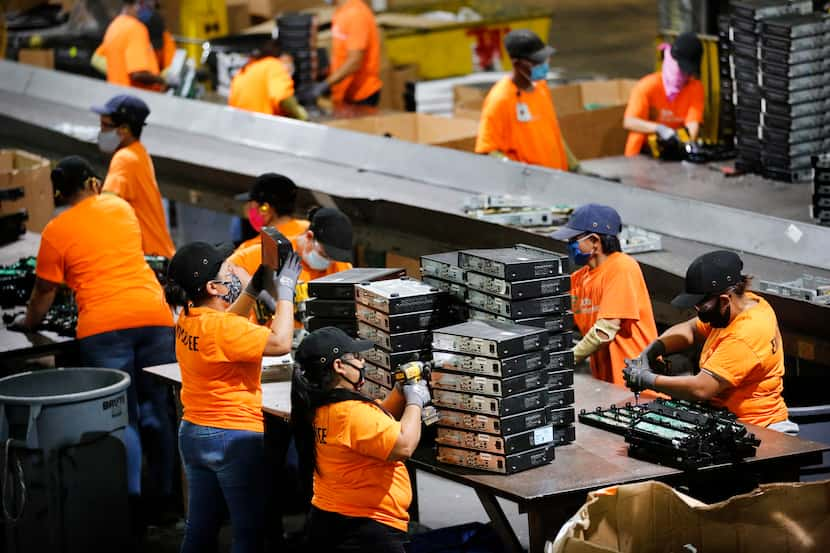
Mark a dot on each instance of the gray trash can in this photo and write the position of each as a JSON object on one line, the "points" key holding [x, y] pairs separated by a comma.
{"points": [[55, 408]]}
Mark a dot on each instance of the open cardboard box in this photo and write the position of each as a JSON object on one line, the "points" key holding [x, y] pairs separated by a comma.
{"points": [[19, 169], [651, 517], [458, 134], [590, 133]]}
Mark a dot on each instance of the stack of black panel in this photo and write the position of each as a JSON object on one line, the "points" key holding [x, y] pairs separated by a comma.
{"points": [[298, 37], [496, 412], [820, 209], [757, 151], [332, 302], [795, 124], [726, 124], [398, 316], [442, 271]]}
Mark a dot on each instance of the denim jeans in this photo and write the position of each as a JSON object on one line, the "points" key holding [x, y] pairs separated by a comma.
{"points": [[131, 350], [223, 468]]}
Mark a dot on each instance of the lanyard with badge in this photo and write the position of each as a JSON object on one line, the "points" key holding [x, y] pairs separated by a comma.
{"points": [[523, 114]]}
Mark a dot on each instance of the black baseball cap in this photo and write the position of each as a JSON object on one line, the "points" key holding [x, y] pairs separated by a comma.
{"points": [[688, 52], [124, 108], [71, 172], [271, 188], [710, 274], [601, 219], [196, 264], [320, 348], [525, 44], [333, 229]]}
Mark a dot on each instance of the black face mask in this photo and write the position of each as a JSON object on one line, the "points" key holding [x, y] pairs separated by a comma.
{"points": [[715, 318], [360, 381]]}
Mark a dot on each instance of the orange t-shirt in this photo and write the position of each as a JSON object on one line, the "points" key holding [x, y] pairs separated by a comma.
{"points": [[165, 54], [260, 86], [614, 290], [289, 229], [128, 49], [648, 101], [220, 355], [522, 125], [131, 176], [749, 355], [353, 27], [95, 247], [354, 477]]}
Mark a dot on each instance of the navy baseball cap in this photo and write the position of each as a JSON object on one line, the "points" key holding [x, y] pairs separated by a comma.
{"points": [[601, 219], [526, 45], [710, 274], [320, 348], [124, 109]]}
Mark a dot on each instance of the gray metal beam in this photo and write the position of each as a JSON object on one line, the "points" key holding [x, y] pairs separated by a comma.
{"points": [[352, 165]]}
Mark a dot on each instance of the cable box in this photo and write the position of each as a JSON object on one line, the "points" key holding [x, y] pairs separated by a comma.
{"points": [[502, 445], [763, 9], [444, 266], [519, 309], [330, 309], [349, 326], [379, 375], [504, 426], [374, 390], [497, 387], [490, 339], [561, 360], [551, 323], [559, 380], [392, 360], [818, 94], [340, 286], [558, 399], [562, 342], [408, 322], [398, 296], [564, 435], [522, 289], [453, 289], [502, 464], [799, 56], [512, 405], [793, 44], [404, 341], [517, 263], [797, 25], [485, 366]]}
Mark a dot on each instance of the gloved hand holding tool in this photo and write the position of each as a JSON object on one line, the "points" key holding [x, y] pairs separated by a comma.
{"points": [[638, 376], [664, 132], [413, 378], [286, 281]]}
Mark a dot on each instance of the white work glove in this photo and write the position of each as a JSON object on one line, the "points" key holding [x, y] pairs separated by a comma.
{"points": [[417, 393], [664, 132]]}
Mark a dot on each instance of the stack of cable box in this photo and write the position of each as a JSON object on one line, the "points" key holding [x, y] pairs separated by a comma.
{"points": [[398, 316], [820, 209], [332, 300], [298, 37], [490, 386], [442, 271]]}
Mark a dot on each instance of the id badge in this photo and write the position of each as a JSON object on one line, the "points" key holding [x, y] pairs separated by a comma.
{"points": [[523, 112]]}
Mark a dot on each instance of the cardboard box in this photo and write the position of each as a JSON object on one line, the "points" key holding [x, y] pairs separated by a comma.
{"points": [[19, 169], [394, 85], [239, 16], [458, 134], [651, 517], [412, 266], [37, 57], [269, 8], [590, 114]]}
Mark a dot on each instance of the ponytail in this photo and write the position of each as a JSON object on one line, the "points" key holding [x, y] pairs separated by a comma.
{"points": [[176, 296]]}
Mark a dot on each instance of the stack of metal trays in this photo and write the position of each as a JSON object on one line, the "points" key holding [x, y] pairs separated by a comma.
{"points": [[820, 208], [332, 300], [492, 390], [398, 315]]}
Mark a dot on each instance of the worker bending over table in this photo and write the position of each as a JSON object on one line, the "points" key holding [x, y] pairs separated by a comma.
{"points": [[220, 354], [610, 301], [131, 174], [264, 84], [94, 246], [355, 57], [518, 119], [271, 202], [742, 361], [669, 99], [353, 446]]}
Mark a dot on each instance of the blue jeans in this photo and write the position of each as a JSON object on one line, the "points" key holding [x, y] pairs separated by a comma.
{"points": [[223, 467], [131, 350]]}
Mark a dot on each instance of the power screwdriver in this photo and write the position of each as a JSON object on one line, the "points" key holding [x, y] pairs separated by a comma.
{"points": [[412, 372]]}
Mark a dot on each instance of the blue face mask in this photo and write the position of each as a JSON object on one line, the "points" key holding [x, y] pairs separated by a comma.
{"points": [[145, 13], [539, 72], [577, 256]]}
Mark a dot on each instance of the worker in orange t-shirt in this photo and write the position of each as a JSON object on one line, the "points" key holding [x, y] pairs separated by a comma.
{"points": [[355, 56], [271, 202], [126, 55], [742, 360], [220, 354], [94, 246], [353, 447], [518, 119], [667, 100], [610, 301], [163, 43], [264, 85], [131, 174]]}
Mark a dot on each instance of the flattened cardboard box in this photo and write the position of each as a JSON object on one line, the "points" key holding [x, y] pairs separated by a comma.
{"points": [[19, 169], [651, 517]]}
